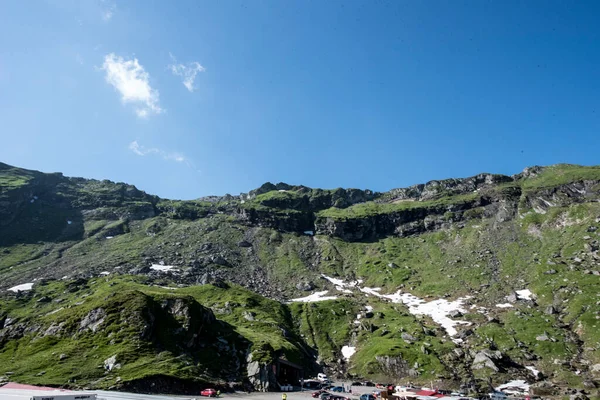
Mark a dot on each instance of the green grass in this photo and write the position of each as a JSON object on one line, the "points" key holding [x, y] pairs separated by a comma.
{"points": [[132, 308], [561, 174], [325, 326], [372, 208]]}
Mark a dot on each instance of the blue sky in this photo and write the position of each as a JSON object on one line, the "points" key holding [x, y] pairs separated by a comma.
{"points": [[191, 98]]}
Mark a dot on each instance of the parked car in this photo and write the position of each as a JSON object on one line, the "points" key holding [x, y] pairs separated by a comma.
{"points": [[367, 383], [318, 393], [367, 397], [339, 389], [357, 384], [325, 396], [338, 397], [209, 393]]}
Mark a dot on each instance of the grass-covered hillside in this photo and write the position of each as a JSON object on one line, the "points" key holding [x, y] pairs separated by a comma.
{"points": [[458, 281]]}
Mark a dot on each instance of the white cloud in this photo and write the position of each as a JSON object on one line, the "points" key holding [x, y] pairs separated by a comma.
{"points": [[141, 150], [79, 59], [108, 10], [133, 83], [187, 71]]}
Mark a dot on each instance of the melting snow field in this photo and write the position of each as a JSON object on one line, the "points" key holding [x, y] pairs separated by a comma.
{"points": [[162, 268], [348, 351], [438, 310], [21, 288], [317, 296], [504, 305]]}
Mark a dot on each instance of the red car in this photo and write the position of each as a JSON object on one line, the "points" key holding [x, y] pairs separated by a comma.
{"points": [[209, 393], [318, 393]]}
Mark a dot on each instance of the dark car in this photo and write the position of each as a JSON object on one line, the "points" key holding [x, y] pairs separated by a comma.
{"points": [[338, 397], [367, 397], [357, 384], [367, 383], [338, 389], [318, 393]]}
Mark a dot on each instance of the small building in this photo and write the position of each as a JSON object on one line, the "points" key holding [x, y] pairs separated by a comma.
{"points": [[287, 373]]}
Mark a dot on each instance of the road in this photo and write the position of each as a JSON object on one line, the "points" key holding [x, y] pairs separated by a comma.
{"points": [[25, 394]]}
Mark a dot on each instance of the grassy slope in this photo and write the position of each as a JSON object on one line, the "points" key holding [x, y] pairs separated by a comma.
{"points": [[454, 262], [124, 299]]}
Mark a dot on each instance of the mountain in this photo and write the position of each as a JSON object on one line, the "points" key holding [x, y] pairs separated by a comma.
{"points": [[464, 282]]}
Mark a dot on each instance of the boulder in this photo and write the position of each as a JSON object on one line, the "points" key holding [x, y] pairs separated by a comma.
{"points": [[550, 310], [248, 315], [306, 286], [220, 261], [512, 298], [542, 338], [485, 359], [92, 320], [111, 363], [244, 243], [408, 338]]}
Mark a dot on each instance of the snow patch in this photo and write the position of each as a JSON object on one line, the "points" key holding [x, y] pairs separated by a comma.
{"points": [[310, 233], [514, 386], [348, 351], [524, 294], [504, 305], [335, 281], [534, 371], [22, 287], [69, 222], [369, 308], [110, 237], [317, 296], [340, 282], [104, 273], [162, 268], [372, 291]]}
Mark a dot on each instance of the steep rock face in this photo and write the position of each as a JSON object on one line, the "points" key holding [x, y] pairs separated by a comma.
{"points": [[419, 218], [50, 207], [294, 209], [433, 189]]}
